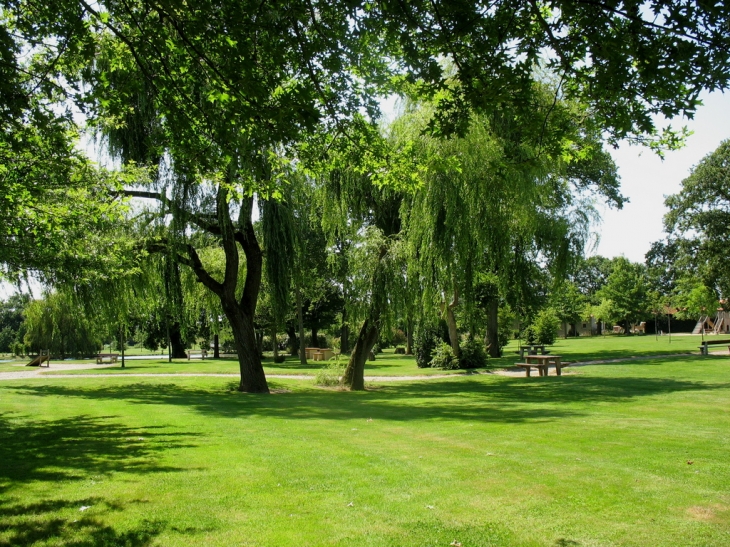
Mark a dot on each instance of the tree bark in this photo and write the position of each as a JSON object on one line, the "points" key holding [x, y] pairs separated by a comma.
{"points": [[451, 322], [315, 335], [293, 343], [354, 376], [177, 345], [216, 347], [274, 343], [302, 343], [409, 336], [493, 328], [239, 312]]}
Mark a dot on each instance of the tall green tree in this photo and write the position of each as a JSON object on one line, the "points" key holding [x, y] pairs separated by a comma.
{"points": [[699, 216], [627, 293]]}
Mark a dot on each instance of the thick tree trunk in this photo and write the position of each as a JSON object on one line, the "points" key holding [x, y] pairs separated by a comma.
{"points": [[293, 343], [354, 376], [177, 345], [345, 339], [253, 379], [409, 336], [302, 342], [216, 347], [315, 335], [493, 328], [274, 343], [451, 322]]}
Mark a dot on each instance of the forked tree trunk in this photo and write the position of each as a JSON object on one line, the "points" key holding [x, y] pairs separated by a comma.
{"points": [[239, 312], [354, 376], [493, 328]]}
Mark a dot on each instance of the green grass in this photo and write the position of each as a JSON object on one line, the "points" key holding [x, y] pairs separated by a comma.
{"points": [[594, 458], [389, 364]]}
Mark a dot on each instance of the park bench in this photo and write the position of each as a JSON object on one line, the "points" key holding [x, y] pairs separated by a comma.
{"points": [[202, 354], [542, 364], [111, 357], [704, 348], [541, 368]]}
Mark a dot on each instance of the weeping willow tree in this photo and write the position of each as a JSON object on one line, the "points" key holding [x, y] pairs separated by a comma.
{"points": [[507, 194]]}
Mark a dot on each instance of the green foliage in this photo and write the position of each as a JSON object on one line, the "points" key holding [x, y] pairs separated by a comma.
{"points": [[699, 216], [329, 375], [506, 318], [444, 358], [59, 323], [472, 354], [544, 328], [694, 299], [627, 289], [425, 340]]}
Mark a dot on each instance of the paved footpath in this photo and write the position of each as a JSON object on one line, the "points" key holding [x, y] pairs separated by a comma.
{"points": [[44, 371]]}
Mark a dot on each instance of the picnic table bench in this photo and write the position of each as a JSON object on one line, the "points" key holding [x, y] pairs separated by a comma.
{"points": [[112, 357], [202, 354], [532, 349], [542, 363], [704, 348], [322, 354]]}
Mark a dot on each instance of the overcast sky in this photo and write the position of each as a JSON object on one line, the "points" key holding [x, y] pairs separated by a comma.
{"points": [[646, 179]]}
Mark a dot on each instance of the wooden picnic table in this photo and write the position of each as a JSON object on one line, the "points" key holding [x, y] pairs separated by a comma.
{"points": [[542, 363], [111, 356], [532, 349], [313, 353]]}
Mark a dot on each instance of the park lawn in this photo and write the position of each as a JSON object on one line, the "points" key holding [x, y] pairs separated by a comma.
{"points": [[598, 457], [386, 364]]}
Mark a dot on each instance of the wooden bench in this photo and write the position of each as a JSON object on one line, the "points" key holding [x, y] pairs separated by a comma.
{"points": [[111, 356], [704, 348], [202, 354], [542, 369]]}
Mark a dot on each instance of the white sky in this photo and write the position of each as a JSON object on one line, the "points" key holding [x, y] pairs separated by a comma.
{"points": [[646, 179]]}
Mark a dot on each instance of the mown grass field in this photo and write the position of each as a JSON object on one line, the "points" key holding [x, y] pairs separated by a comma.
{"points": [[597, 457], [388, 364]]}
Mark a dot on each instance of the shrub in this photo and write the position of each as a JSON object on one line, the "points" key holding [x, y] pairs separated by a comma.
{"points": [[19, 349], [528, 335], [425, 340], [376, 349], [398, 338], [546, 325], [444, 358], [329, 375], [279, 359], [472, 354]]}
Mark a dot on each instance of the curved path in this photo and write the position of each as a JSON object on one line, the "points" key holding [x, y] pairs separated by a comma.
{"points": [[39, 372]]}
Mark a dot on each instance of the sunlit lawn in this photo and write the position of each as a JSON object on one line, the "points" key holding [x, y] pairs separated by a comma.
{"points": [[389, 364], [598, 457]]}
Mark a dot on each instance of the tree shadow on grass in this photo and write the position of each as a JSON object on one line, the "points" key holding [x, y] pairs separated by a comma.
{"points": [[503, 400], [74, 449], [25, 524]]}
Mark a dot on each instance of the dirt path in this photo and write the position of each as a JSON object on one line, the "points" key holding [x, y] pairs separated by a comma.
{"points": [[39, 372]]}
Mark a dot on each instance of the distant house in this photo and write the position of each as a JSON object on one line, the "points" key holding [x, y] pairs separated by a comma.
{"points": [[583, 328]]}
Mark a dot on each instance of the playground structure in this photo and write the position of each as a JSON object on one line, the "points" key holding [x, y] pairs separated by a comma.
{"points": [[43, 356], [719, 325]]}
